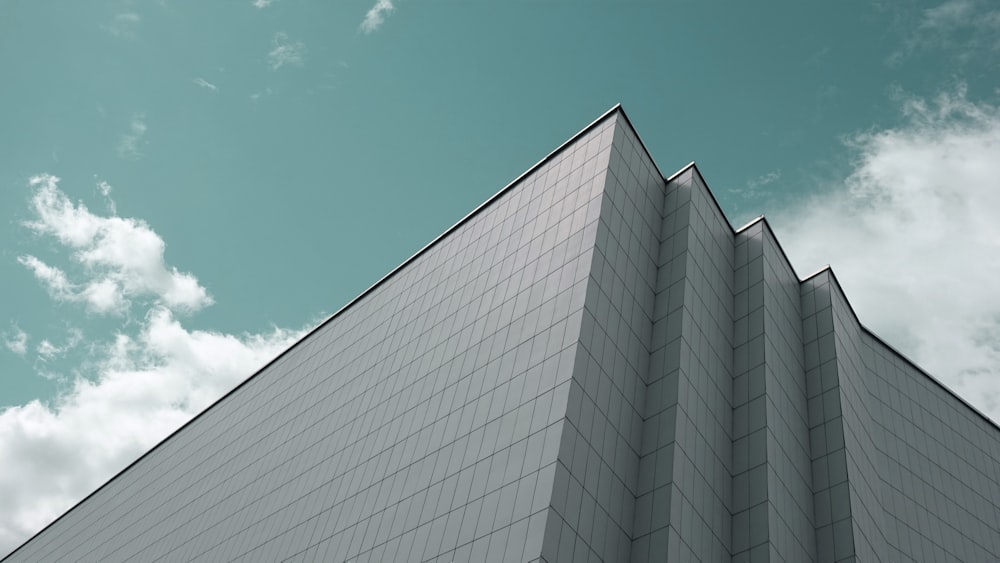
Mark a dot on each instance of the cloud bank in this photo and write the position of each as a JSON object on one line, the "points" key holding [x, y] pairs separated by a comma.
{"points": [[135, 387], [913, 237]]}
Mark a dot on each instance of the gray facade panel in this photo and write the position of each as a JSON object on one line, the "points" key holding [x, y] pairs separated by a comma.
{"points": [[769, 398], [687, 441], [939, 465], [424, 418], [604, 419], [903, 470], [835, 501], [858, 432], [594, 366]]}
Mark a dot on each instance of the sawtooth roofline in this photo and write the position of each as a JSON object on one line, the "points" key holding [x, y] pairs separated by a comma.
{"points": [[617, 109], [829, 269]]}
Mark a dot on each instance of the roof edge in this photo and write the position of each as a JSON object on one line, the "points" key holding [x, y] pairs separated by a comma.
{"points": [[833, 276], [635, 132], [693, 165], [763, 219], [777, 241], [617, 108]]}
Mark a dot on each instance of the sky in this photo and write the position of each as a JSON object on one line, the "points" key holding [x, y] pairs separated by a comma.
{"points": [[188, 187]]}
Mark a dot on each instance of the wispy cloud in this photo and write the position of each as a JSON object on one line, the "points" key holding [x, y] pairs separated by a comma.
{"points": [[257, 96], [963, 28], [205, 84], [753, 191], [913, 237], [46, 350], [376, 15], [105, 189], [285, 52], [135, 387], [131, 143], [767, 179], [957, 14], [124, 24], [53, 279], [16, 340], [261, 4], [122, 258]]}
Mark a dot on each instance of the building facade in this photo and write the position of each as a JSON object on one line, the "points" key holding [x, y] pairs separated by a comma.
{"points": [[591, 366]]}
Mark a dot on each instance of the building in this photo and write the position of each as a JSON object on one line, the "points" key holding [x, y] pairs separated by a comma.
{"points": [[591, 366]]}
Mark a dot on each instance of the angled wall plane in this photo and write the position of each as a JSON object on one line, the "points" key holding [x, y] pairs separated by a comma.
{"points": [[591, 366]]}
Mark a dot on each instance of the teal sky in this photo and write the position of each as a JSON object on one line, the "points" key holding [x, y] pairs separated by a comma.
{"points": [[289, 154]]}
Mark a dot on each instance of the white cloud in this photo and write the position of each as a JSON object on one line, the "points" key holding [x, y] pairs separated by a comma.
{"points": [[142, 388], [260, 4], [205, 84], [54, 279], [16, 340], [123, 258], [104, 296], [914, 239], [132, 389], [100, 296], [285, 52], [376, 15], [106, 192], [131, 142], [46, 350]]}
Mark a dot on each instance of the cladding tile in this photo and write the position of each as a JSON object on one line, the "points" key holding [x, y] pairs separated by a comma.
{"points": [[593, 367], [690, 371], [362, 424]]}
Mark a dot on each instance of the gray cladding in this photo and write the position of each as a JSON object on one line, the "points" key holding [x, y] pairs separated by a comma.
{"points": [[597, 470], [423, 421], [592, 366]]}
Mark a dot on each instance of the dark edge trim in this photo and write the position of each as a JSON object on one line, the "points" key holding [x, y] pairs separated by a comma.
{"points": [[843, 294], [774, 236], [641, 142], [616, 109], [681, 171], [667, 180], [871, 333], [718, 206], [722, 213], [694, 165]]}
